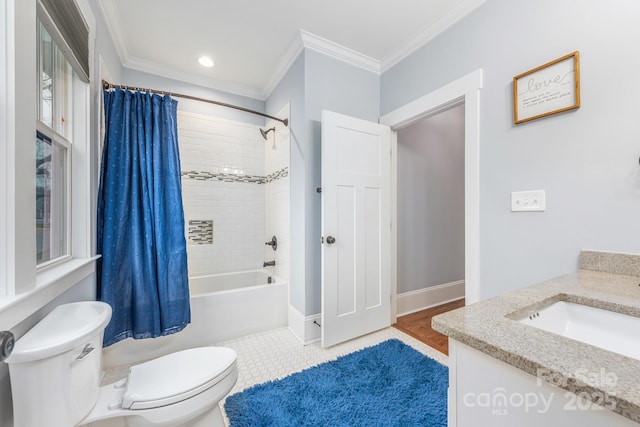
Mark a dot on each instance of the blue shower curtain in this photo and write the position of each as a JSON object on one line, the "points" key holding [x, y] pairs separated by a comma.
{"points": [[142, 273]]}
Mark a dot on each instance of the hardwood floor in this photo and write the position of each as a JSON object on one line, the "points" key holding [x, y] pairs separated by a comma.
{"points": [[418, 325]]}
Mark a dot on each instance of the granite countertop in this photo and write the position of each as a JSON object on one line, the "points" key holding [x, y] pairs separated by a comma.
{"points": [[606, 280]]}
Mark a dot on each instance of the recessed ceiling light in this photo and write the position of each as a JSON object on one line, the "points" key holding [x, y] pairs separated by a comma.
{"points": [[205, 61]]}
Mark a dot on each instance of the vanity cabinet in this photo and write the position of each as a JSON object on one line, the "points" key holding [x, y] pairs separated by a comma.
{"points": [[484, 391]]}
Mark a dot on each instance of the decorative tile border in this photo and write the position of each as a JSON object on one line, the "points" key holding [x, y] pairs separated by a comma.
{"points": [[279, 174], [200, 232], [232, 177]]}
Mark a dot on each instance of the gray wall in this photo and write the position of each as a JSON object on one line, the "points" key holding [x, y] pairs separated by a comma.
{"points": [[342, 88], [431, 201], [586, 160], [104, 47], [313, 83], [152, 81], [290, 90]]}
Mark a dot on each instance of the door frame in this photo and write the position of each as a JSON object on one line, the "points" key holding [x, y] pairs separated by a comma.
{"points": [[463, 90]]}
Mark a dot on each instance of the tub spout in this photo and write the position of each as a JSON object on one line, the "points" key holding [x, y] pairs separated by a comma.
{"points": [[269, 264]]}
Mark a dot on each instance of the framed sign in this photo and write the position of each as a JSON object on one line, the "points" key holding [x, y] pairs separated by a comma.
{"points": [[548, 89]]}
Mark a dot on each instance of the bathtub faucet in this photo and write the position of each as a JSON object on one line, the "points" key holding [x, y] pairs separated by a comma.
{"points": [[269, 264]]}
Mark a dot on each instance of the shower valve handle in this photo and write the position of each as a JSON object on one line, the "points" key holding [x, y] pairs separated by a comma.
{"points": [[273, 243]]}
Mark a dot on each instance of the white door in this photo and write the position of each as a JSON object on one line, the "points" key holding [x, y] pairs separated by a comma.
{"points": [[356, 254]]}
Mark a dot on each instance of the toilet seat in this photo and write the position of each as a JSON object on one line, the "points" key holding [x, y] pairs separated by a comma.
{"points": [[176, 377], [169, 391]]}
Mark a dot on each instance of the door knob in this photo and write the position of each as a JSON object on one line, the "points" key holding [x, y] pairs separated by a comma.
{"points": [[331, 240]]}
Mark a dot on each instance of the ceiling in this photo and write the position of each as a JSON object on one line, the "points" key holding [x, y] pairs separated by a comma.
{"points": [[253, 42]]}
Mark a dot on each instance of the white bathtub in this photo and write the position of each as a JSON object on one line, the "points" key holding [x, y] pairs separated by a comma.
{"points": [[200, 285], [223, 306]]}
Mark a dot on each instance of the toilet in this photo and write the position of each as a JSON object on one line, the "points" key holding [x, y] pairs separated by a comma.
{"points": [[56, 367]]}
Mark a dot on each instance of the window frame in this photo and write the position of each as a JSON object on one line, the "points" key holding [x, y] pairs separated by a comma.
{"points": [[25, 289], [56, 138], [62, 86], [4, 148], [62, 122]]}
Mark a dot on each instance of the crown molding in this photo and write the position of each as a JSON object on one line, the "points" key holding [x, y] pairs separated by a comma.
{"points": [[112, 20], [429, 33], [350, 56], [305, 40], [196, 79], [283, 66]]}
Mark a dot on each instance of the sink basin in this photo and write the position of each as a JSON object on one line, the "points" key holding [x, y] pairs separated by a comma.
{"points": [[611, 331]]}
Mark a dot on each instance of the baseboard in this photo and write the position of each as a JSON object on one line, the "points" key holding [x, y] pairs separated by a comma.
{"points": [[305, 328], [410, 302]]}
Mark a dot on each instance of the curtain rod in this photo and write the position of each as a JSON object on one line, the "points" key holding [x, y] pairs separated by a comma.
{"points": [[106, 85]]}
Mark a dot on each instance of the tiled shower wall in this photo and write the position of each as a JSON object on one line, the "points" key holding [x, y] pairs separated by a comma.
{"points": [[277, 216], [235, 194], [215, 155]]}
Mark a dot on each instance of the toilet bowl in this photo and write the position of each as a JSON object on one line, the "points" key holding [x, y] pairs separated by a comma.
{"points": [[180, 389], [55, 375]]}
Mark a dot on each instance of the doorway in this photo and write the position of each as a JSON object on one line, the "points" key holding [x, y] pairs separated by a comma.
{"points": [[430, 209], [430, 222], [465, 90]]}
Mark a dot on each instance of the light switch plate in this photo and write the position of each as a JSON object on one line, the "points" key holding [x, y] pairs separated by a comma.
{"points": [[528, 201]]}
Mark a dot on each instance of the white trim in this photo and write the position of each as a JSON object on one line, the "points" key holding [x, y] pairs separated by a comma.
{"points": [[452, 414], [113, 22], [21, 215], [303, 327], [467, 89], [89, 19], [67, 52], [394, 231], [434, 101], [50, 284], [339, 52], [5, 26], [80, 172], [429, 33], [305, 40], [283, 66], [412, 301]]}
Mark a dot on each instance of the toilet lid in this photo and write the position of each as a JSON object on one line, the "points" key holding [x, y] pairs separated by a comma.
{"points": [[176, 377]]}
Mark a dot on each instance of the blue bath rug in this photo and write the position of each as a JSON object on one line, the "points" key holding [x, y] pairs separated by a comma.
{"points": [[389, 384]]}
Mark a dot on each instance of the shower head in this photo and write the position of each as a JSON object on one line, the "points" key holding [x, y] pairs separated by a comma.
{"points": [[264, 133]]}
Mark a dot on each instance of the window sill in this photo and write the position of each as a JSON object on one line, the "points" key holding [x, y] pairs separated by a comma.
{"points": [[50, 283]]}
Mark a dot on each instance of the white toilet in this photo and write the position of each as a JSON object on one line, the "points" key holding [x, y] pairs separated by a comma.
{"points": [[55, 371]]}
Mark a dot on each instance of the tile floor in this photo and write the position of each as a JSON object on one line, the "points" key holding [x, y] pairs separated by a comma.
{"points": [[277, 353]]}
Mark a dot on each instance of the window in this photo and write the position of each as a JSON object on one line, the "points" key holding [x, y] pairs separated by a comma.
{"points": [[44, 102], [53, 150], [51, 199]]}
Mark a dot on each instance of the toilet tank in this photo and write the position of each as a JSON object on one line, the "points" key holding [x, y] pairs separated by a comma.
{"points": [[55, 368]]}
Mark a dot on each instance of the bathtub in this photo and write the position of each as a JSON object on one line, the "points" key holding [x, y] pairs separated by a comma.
{"points": [[200, 285], [223, 306]]}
